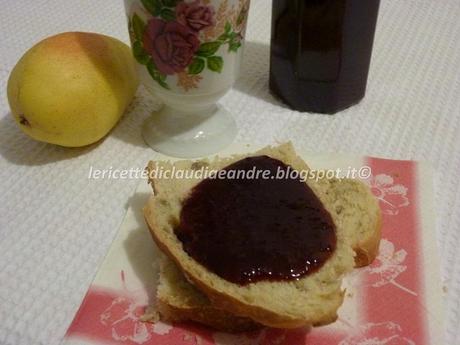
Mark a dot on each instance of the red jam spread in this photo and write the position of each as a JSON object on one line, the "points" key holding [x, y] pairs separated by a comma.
{"points": [[247, 230]]}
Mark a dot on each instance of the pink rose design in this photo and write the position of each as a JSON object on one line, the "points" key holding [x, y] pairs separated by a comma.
{"points": [[194, 15], [171, 45]]}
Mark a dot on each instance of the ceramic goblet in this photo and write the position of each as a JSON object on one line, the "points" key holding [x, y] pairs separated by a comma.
{"points": [[188, 54]]}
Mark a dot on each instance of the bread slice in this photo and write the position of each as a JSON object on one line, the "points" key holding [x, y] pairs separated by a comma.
{"points": [[178, 300], [312, 300], [355, 207]]}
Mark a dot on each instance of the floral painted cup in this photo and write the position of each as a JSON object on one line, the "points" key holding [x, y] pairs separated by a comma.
{"points": [[188, 54]]}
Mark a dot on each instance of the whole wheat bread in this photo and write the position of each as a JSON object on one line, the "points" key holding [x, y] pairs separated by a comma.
{"points": [[312, 300], [356, 208]]}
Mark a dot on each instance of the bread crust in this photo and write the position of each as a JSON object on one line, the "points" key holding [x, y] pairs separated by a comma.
{"points": [[218, 319], [367, 250]]}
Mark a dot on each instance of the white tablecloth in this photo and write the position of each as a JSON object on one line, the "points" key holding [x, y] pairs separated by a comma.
{"points": [[56, 224]]}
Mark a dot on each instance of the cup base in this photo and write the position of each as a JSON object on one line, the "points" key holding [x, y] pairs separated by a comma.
{"points": [[189, 134]]}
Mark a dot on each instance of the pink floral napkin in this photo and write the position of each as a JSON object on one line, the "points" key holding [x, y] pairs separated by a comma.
{"points": [[396, 301]]}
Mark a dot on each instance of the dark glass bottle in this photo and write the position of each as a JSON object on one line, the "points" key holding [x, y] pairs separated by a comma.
{"points": [[321, 51]]}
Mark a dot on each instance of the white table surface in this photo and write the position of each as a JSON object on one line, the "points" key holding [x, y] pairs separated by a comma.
{"points": [[56, 224]]}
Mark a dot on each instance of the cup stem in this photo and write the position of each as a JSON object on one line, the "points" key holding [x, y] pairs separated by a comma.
{"points": [[189, 132]]}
